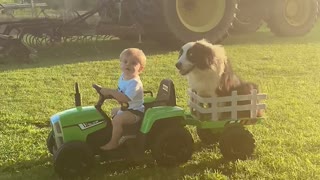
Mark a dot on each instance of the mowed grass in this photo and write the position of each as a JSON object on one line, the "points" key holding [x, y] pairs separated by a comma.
{"points": [[286, 69]]}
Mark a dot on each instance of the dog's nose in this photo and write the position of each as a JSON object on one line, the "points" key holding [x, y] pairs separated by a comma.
{"points": [[178, 65]]}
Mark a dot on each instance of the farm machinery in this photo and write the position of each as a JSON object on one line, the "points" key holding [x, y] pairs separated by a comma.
{"points": [[78, 133], [283, 17], [171, 22]]}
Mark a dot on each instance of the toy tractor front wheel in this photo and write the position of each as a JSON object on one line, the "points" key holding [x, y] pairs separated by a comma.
{"points": [[236, 142], [172, 147], [73, 159]]}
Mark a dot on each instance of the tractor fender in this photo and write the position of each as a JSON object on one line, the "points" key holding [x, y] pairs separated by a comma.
{"points": [[155, 114]]}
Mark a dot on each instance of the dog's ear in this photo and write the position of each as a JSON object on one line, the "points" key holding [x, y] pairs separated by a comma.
{"points": [[228, 79], [201, 55]]}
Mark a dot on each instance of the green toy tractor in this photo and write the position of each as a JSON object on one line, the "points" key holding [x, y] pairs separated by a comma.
{"points": [[78, 133]]}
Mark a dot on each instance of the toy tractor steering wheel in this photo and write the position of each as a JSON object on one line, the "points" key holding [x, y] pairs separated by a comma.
{"points": [[102, 98]]}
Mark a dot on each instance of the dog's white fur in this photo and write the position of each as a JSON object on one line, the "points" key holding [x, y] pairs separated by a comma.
{"points": [[204, 81]]}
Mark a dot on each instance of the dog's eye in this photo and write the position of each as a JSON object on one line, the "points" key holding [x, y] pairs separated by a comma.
{"points": [[190, 55]]}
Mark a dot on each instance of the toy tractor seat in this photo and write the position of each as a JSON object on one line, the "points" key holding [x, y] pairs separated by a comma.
{"points": [[166, 95]]}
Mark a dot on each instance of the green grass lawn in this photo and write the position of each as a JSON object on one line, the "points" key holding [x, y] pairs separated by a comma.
{"points": [[286, 69]]}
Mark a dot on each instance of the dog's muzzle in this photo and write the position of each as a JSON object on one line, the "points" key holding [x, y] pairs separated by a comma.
{"points": [[183, 71], [178, 65]]}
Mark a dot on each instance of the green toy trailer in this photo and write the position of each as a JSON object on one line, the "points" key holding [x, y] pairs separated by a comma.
{"points": [[235, 142]]}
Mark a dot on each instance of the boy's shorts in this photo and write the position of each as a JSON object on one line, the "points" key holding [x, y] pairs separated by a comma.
{"points": [[139, 115]]}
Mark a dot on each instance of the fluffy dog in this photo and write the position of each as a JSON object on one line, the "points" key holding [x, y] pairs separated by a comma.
{"points": [[209, 72]]}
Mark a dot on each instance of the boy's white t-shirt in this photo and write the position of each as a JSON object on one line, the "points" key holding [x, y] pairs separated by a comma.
{"points": [[133, 89]]}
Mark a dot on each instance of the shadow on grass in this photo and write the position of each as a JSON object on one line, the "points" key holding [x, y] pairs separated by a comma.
{"points": [[27, 165], [150, 170], [42, 169], [72, 52], [265, 38]]}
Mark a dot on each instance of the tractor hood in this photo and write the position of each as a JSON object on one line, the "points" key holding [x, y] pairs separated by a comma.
{"points": [[77, 115]]}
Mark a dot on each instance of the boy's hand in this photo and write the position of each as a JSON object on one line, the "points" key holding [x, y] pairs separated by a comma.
{"points": [[106, 92], [114, 94]]}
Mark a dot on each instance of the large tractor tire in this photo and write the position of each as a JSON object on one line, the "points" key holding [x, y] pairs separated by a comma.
{"points": [[180, 21], [249, 17], [292, 17]]}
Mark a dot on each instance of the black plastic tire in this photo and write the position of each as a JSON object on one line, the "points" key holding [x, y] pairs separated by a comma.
{"points": [[73, 159], [292, 17], [173, 146], [174, 20], [50, 142], [236, 143], [249, 17], [207, 136]]}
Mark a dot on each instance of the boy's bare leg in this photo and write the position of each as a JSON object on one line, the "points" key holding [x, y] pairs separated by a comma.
{"points": [[114, 111], [118, 121]]}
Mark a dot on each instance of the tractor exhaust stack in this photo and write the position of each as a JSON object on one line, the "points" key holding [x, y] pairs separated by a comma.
{"points": [[77, 96]]}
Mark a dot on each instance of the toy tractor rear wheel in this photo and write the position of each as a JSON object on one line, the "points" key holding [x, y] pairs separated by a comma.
{"points": [[73, 159], [173, 146], [292, 17], [207, 136], [181, 21], [51, 142], [236, 142]]}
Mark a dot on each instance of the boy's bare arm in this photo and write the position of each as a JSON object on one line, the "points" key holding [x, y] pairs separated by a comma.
{"points": [[115, 94]]}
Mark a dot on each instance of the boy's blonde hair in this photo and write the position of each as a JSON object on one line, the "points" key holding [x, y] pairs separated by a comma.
{"points": [[136, 54]]}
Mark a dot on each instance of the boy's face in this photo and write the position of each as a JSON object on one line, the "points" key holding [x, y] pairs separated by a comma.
{"points": [[130, 66]]}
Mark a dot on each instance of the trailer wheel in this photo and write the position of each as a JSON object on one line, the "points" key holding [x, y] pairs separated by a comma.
{"points": [[182, 21], [236, 142], [207, 136], [51, 142], [292, 17], [173, 146], [73, 159]]}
